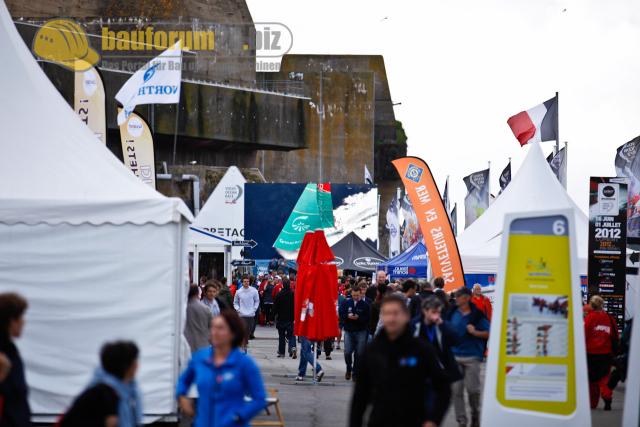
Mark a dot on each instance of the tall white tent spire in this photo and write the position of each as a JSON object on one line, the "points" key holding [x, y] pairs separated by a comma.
{"points": [[533, 189]]}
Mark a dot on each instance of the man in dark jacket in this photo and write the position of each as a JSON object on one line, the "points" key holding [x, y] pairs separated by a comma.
{"points": [[354, 314], [13, 390], [430, 327], [393, 373], [410, 291], [283, 312]]}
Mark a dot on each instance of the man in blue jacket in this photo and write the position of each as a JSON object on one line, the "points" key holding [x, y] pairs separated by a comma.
{"points": [[472, 330], [354, 315]]}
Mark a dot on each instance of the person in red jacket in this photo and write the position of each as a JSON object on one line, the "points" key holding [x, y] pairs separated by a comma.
{"points": [[481, 302], [601, 332]]}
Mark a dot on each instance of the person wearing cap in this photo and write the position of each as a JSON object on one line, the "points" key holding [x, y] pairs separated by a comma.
{"points": [[471, 328]]}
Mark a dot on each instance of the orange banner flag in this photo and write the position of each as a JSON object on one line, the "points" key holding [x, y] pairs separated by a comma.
{"points": [[433, 219]]}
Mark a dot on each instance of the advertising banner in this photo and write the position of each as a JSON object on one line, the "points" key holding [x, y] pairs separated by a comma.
{"points": [[88, 102], [157, 82], [608, 243], [393, 225], [137, 148], [477, 199], [433, 219], [354, 209], [536, 346], [627, 164]]}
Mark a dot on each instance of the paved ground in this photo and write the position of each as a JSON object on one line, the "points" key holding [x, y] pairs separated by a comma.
{"points": [[327, 404]]}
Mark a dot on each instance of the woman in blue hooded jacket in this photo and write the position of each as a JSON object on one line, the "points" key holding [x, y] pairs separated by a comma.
{"points": [[224, 376]]}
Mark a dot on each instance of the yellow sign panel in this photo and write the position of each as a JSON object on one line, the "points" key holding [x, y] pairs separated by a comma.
{"points": [[536, 369]]}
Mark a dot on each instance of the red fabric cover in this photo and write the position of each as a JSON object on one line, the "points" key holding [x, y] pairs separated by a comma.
{"points": [[316, 294]]}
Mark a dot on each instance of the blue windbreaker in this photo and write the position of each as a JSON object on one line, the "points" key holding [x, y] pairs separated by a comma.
{"points": [[222, 390]]}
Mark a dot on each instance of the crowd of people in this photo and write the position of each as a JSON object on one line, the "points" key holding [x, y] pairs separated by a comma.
{"points": [[411, 349]]}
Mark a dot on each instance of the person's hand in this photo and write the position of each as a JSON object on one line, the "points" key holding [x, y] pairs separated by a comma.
{"points": [[5, 367], [186, 406], [429, 424], [471, 329]]}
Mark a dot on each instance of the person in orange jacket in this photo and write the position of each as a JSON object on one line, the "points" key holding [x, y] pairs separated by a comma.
{"points": [[601, 334], [481, 302]]}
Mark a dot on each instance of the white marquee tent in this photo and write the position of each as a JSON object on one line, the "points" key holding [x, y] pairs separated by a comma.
{"points": [[98, 254], [533, 189], [220, 221]]}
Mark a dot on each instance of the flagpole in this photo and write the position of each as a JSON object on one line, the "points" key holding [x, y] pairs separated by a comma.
{"points": [[175, 134], [557, 123], [489, 178]]}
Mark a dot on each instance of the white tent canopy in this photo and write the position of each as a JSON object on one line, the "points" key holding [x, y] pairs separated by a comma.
{"points": [[533, 189], [221, 219], [98, 254]]}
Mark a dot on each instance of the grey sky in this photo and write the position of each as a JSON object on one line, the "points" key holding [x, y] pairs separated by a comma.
{"points": [[462, 67]]}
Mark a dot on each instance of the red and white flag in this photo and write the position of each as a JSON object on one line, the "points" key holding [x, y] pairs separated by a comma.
{"points": [[537, 124]]}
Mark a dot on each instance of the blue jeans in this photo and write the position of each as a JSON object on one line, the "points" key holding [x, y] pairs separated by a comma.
{"points": [[285, 334], [354, 342], [306, 356]]}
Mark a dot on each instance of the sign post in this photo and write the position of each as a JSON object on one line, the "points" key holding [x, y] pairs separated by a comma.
{"points": [[536, 370], [608, 243]]}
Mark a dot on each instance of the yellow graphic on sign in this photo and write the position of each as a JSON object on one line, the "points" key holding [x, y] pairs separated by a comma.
{"points": [[536, 369], [64, 42]]}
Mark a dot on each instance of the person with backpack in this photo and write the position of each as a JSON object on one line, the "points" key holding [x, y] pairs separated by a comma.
{"points": [[430, 327], [601, 334], [471, 328]]}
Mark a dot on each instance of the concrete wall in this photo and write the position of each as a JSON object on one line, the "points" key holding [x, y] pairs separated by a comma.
{"points": [[232, 60]]}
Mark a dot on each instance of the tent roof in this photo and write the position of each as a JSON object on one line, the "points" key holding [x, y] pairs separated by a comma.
{"points": [[414, 256], [533, 189], [53, 168], [352, 253], [221, 211]]}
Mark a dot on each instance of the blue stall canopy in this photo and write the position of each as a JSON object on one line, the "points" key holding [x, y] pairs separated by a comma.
{"points": [[412, 263]]}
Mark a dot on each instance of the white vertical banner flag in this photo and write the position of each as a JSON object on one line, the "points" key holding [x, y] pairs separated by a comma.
{"points": [[137, 148], [88, 101], [367, 176], [158, 82], [393, 225]]}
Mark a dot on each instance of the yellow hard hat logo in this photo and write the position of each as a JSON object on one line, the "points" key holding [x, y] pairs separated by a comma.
{"points": [[64, 42]]}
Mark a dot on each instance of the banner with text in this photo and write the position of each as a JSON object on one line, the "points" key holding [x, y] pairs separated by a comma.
{"points": [[88, 102], [608, 243], [536, 346], [137, 148], [433, 219]]}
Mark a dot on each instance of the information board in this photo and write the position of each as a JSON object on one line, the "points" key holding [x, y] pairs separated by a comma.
{"points": [[536, 368], [608, 243]]}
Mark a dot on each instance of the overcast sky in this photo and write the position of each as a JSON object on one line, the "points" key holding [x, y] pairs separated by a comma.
{"points": [[460, 68]]}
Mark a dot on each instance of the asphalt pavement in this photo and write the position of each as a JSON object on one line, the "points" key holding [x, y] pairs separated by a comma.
{"points": [[327, 404]]}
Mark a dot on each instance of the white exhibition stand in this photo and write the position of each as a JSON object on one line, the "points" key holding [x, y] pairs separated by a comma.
{"points": [[536, 368]]}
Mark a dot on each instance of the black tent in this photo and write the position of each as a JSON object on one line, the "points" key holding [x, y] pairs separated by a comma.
{"points": [[352, 253]]}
